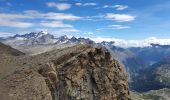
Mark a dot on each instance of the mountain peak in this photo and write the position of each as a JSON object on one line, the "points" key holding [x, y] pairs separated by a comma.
{"points": [[31, 35], [44, 32], [64, 37]]}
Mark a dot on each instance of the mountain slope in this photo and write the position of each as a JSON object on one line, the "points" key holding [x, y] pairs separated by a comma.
{"points": [[152, 54], [136, 60], [4, 49], [72, 73], [161, 94], [155, 77], [8, 55], [131, 62], [161, 73]]}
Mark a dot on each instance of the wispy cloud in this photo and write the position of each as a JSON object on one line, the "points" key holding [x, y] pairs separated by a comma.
{"points": [[121, 7], [117, 7], [5, 34], [88, 33], [32, 14], [94, 18], [52, 19], [114, 27], [111, 16], [25, 19], [85, 4], [120, 17], [14, 23], [59, 6], [51, 15], [66, 31], [101, 39], [118, 27], [13, 20], [89, 4], [56, 24], [78, 4], [13, 16]]}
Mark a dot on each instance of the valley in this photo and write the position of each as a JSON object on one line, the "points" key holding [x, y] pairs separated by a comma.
{"points": [[147, 68], [84, 49]]}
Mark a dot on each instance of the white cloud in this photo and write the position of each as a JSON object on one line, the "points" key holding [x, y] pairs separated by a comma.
{"points": [[85, 4], [118, 27], [117, 7], [13, 16], [121, 7], [61, 16], [51, 15], [94, 18], [66, 31], [114, 27], [107, 6], [5, 34], [56, 24], [69, 30], [120, 17], [25, 19], [134, 43], [32, 14], [13, 23], [89, 4], [88, 33], [78, 4], [101, 39], [59, 6]]}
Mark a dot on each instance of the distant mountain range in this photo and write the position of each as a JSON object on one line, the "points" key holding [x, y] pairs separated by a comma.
{"points": [[137, 58], [41, 38]]}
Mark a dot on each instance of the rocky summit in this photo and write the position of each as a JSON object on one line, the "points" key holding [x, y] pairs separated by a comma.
{"points": [[79, 72]]}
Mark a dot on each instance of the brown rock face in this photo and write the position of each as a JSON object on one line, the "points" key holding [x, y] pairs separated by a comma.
{"points": [[83, 74]]}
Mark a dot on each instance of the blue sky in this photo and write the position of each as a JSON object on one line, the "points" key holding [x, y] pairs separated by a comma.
{"points": [[125, 19]]}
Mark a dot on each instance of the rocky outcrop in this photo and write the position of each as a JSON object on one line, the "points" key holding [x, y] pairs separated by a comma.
{"points": [[83, 73]]}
